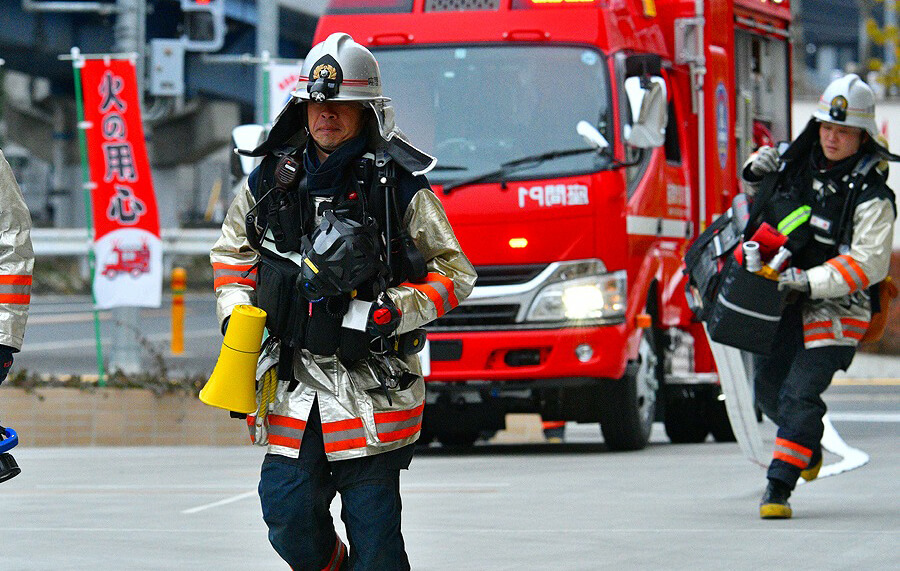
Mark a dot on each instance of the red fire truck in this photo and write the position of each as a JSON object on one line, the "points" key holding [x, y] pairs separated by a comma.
{"points": [[581, 144]]}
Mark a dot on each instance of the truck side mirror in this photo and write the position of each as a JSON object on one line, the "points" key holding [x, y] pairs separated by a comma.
{"points": [[245, 137], [647, 96]]}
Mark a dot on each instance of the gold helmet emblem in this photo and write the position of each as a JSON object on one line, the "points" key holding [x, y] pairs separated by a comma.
{"points": [[324, 71], [838, 110]]}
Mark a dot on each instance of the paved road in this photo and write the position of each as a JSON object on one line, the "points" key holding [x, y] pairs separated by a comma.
{"points": [[532, 506], [60, 339]]}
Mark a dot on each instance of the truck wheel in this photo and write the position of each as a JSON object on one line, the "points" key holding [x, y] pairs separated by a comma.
{"points": [[684, 415], [717, 419], [458, 438], [629, 404]]}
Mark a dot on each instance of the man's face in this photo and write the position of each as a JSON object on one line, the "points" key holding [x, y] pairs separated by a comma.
{"points": [[839, 141], [333, 123]]}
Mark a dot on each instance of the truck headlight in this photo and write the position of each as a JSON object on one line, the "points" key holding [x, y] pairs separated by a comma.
{"points": [[585, 298]]}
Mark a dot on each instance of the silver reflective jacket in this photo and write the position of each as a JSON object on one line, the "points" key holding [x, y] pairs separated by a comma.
{"points": [[16, 259], [358, 419]]}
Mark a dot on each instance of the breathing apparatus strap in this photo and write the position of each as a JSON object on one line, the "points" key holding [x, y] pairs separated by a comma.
{"points": [[859, 174]]}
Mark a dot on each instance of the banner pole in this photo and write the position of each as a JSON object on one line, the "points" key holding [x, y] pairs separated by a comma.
{"points": [[77, 64], [266, 95]]}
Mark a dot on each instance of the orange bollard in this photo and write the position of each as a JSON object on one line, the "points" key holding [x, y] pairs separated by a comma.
{"points": [[179, 284]]}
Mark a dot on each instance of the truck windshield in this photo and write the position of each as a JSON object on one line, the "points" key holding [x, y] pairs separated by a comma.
{"points": [[477, 107]]}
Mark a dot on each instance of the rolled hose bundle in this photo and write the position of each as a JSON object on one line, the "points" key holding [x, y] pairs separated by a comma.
{"points": [[8, 467]]}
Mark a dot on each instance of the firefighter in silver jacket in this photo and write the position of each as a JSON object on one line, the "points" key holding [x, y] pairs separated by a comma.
{"points": [[348, 402], [833, 204], [16, 264]]}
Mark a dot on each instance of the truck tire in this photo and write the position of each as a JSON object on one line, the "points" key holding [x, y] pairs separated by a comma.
{"points": [[628, 406], [717, 419], [684, 420]]}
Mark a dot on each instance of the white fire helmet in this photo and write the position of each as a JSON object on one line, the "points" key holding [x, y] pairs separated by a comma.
{"points": [[339, 69], [848, 101]]}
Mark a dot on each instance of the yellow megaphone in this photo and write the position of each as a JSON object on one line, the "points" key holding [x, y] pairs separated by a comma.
{"points": [[232, 385]]}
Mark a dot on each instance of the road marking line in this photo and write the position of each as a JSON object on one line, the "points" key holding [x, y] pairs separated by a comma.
{"points": [[80, 343], [407, 530], [82, 317], [865, 416], [875, 381], [226, 501]]}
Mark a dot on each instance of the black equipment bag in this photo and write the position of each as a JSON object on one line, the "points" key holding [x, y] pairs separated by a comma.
{"points": [[278, 295], [707, 258], [747, 310]]}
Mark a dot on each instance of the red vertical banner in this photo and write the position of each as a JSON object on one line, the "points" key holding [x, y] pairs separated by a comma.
{"points": [[126, 221]]}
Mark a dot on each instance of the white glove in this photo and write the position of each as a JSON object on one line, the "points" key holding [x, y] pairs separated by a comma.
{"points": [[766, 161], [795, 279]]}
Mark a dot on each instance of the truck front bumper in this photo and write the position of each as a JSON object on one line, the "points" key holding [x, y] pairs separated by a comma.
{"points": [[517, 355]]}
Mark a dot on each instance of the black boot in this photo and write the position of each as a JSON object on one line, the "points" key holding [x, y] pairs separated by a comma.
{"points": [[811, 472], [774, 503]]}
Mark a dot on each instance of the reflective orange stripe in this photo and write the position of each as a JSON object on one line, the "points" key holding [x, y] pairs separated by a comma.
{"points": [[859, 271], [15, 299], [447, 283], [432, 294], [340, 425], [818, 336], [854, 322], [343, 444], [793, 446], [790, 459], [853, 334], [817, 325], [15, 280], [398, 415], [337, 556], [844, 273]]}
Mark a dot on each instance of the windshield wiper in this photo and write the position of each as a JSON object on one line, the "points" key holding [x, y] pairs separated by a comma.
{"points": [[510, 167], [449, 168]]}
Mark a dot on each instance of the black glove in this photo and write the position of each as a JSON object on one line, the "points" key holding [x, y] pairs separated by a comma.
{"points": [[6, 361], [384, 317]]}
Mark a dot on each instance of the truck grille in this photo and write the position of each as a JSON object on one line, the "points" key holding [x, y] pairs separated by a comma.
{"points": [[477, 316], [507, 275], [455, 5]]}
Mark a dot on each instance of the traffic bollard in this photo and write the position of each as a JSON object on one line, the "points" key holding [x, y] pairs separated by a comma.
{"points": [[179, 281]]}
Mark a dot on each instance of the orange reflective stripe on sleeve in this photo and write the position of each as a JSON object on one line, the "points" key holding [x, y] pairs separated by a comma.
{"points": [[850, 270], [233, 274], [439, 289], [15, 290]]}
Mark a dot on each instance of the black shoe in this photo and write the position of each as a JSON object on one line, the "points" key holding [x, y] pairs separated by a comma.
{"points": [[774, 503]]}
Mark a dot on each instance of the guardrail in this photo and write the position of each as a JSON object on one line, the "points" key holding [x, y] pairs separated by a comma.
{"points": [[74, 241]]}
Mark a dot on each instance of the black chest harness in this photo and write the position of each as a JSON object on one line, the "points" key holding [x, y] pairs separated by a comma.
{"points": [[279, 227], [816, 215]]}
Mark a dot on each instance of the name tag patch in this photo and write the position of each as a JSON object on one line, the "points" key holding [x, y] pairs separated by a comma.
{"points": [[820, 223]]}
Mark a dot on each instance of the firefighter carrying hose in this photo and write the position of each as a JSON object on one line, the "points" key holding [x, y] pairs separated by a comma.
{"points": [[832, 202], [16, 264], [339, 238]]}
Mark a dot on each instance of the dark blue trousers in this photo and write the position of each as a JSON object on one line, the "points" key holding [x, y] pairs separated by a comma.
{"points": [[789, 385], [296, 495]]}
